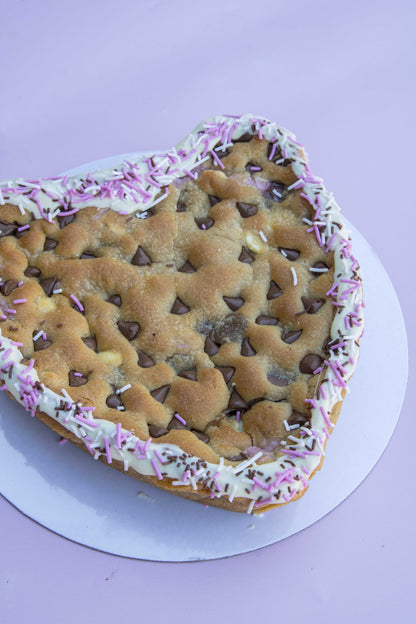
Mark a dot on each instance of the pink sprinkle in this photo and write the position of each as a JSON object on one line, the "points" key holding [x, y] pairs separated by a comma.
{"points": [[337, 375], [23, 227], [325, 417], [255, 168], [181, 420], [147, 444], [307, 199], [159, 457], [118, 436], [185, 476], [237, 416], [323, 393], [203, 226], [10, 311], [107, 451], [156, 469], [123, 213], [332, 289], [352, 361], [6, 354], [305, 470], [312, 402], [44, 337], [217, 160], [77, 303], [16, 301], [62, 441], [75, 374], [318, 370], [67, 213]]}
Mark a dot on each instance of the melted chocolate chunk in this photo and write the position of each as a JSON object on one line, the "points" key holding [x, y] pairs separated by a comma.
{"points": [[6, 228], [244, 138], [188, 374], [296, 418], [227, 372], [290, 336], [213, 200], [8, 287], [49, 244], [201, 436], [187, 268], [266, 320], [274, 291], [276, 192], [245, 256], [160, 394], [49, 285], [40, 344], [181, 205], [290, 254], [229, 329], [237, 402], [115, 300], [246, 349], [176, 424], [210, 347], [223, 152], [75, 381], [204, 223], [87, 255], [278, 380], [234, 303], [312, 305], [310, 363], [65, 220], [141, 258], [145, 361], [247, 210], [156, 432], [90, 342], [32, 271], [179, 307], [129, 329], [114, 401]]}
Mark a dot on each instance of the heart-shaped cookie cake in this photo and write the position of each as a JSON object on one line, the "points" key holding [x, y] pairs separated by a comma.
{"points": [[191, 317]]}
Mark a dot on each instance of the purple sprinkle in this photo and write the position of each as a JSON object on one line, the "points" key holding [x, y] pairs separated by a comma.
{"points": [[156, 469], [107, 451], [77, 303], [181, 420], [23, 227], [75, 374], [16, 301]]}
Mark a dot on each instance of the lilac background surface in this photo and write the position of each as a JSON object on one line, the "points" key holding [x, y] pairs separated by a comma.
{"points": [[84, 80]]}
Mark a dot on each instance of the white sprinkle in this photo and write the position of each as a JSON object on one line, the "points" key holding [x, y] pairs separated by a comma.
{"points": [[22, 210], [284, 254], [123, 389], [245, 464], [295, 277], [250, 507], [57, 291], [38, 335], [263, 236], [324, 270], [294, 185], [233, 493], [297, 440], [65, 393], [1, 198], [156, 201], [121, 408], [307, 221], [251, 527]]}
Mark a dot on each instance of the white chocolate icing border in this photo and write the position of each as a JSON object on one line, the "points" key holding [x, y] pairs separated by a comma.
{"points": [[135, 187]]}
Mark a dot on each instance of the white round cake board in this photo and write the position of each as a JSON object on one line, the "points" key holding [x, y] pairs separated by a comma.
{"points": [[85, 501]]}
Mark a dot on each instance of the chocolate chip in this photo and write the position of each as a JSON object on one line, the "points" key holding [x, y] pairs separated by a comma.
{"points": [[49, 285], [8, 287], [65, 220], [237, 402], [246, 210], [296, 418], [179, 307], [129, 329], [114, 401], [180, 206], [156, 432], [312, 305], [244, 138], [141, 258], [290, 254], [49, 244], [201, 436], [115, 300], [32, 271], [274, 291], [176, 424], [245, 256], [246, 348], [278, 380], [276, 192], [145, 361], [266, 320], [234, 303], [87, 255], [210, 347], [75, 381], [326, 343], [229, 329], [40, 344], [160, 394], [90, 342], [204, 223], [6, 228], [213, 200], [188, 374], [290, 336], [187, 268], [227, 372], [310, 363], [223, 152]]}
